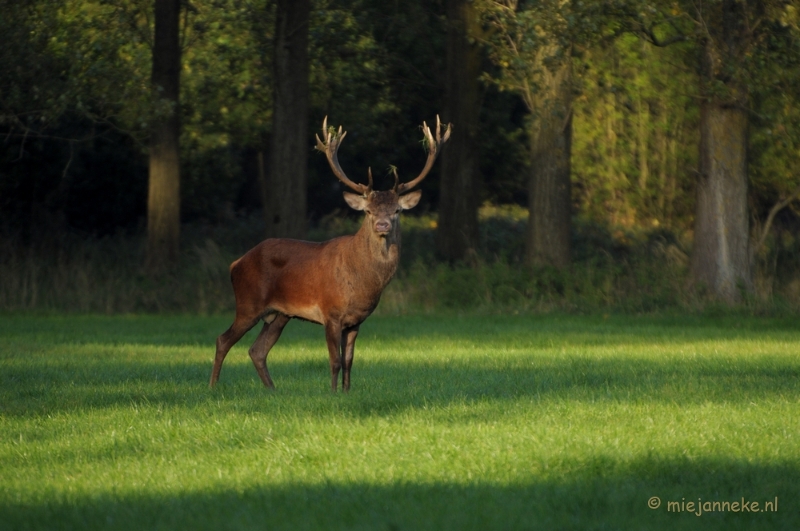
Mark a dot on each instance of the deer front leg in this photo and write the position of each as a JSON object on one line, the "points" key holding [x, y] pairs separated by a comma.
{"points": [[333, 335], [266, 339], [348, 348]]}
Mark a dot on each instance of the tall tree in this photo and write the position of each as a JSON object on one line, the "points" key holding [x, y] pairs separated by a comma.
{"points": [[287, 181], [532, 47], [163, 197], [460, 185], [549, 198], [720, 258]]}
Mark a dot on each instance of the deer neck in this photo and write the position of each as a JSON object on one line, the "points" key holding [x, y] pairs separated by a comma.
{"points": [[382, 252]]}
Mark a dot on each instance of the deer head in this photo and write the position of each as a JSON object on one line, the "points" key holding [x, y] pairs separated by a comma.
{"points": [[382, 208]]}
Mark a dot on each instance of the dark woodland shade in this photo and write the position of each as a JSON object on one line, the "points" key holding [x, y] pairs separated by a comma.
{"points": [[460, 186], [163, 200], [288, 175]]}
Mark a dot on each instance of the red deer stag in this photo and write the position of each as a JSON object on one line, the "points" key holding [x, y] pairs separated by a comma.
{"points": [[337, 283]]}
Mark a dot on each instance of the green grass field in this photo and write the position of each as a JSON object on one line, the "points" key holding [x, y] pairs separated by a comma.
{"points": [[454, 422]]}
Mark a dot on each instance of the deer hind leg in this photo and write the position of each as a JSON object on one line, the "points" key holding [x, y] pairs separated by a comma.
{"points": [[225, 341], [333, 335], [348, 348], [266, 339]]}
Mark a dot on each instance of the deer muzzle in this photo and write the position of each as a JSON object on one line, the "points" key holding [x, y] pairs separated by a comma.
{"points": [[383, 226]]}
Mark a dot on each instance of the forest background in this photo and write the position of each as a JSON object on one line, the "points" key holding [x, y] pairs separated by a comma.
{"points": [[612, 155]]}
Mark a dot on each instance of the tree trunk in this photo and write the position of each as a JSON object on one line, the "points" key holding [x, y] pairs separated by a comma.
{"points": [[643, 149], [661, 143], [549, 197], [720, 259], [263, 185], [163, 197], [460, 185], [288, 176]]}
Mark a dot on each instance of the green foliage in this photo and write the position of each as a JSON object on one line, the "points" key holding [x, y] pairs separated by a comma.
{"points": [[635, 136], [226, 100], [515, 40], [775, 140], [69, 58], [525, 40], [226, 94], [454, 422]]}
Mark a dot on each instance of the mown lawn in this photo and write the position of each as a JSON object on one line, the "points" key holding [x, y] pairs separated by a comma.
{"points": [[454, 422]]}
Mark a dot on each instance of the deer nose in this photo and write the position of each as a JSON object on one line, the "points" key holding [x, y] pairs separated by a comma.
{"points": [[382, 226]]}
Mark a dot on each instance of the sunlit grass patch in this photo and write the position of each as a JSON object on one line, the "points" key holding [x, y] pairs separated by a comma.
{"points": [[454, 422]]}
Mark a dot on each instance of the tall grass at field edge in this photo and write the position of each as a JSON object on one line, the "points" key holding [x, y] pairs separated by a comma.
{"points": [[621, 272]]}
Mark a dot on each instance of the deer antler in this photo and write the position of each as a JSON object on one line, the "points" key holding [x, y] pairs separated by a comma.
{"points": [[434, 145], [333, 140]]}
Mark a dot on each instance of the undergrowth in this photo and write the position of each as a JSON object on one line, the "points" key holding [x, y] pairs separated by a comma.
{"points": [[611, 271]]}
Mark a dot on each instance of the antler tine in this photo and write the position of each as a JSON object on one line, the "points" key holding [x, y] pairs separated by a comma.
{"points": [[446, 132], [396, 179], [434, 147], [369, 174], [330, 147]]}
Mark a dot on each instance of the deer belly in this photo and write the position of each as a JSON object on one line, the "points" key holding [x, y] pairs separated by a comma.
{"points": [[309, 313]]}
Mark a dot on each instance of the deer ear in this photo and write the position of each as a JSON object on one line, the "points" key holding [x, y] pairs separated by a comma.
{"points": [[356, 202], [409, 200]]}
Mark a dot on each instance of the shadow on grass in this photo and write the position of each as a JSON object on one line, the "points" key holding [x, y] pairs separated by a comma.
{"points": [[602, 495], [551, 329], [46, 372], [382, 387]]}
